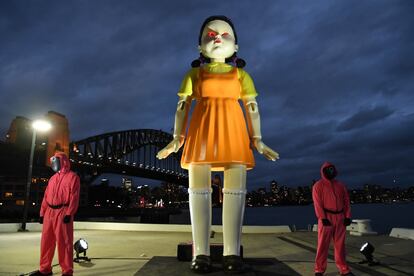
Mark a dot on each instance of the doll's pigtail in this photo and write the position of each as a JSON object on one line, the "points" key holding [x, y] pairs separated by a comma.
{"points": [[238, 62], [200, 61], [196, 63]]}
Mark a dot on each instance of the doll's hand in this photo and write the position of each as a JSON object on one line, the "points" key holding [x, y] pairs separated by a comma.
{"points": [[173, 146], [265, 150]]}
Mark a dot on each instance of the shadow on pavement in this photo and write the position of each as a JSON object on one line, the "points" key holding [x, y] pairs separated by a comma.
{"points": [[171, 266]]}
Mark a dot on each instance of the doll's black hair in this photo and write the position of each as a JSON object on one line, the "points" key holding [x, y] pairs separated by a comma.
{"points": [[203, 59]]}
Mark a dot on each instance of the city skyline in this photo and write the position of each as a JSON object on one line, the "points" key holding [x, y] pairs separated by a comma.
{"points": [[335, 79], [271, 194]]}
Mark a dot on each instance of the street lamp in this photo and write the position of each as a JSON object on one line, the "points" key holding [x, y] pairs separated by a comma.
{"points": [[41, 126]]}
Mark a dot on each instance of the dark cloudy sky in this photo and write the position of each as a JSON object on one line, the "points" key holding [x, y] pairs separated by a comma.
{"points": [[335, 78]]}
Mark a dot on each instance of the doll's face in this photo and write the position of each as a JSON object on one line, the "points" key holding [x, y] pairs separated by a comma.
{"points": [[217, 40]]}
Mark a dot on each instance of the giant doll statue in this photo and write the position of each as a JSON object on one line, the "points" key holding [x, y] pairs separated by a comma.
{"points": [[58, 209], [217, 139], [332, 208]]}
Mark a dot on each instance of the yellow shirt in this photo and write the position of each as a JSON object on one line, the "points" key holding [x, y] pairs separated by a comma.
{"points": [[246, 82]]}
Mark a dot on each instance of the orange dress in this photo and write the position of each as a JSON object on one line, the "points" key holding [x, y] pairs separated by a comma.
{"points": [[217, 134]]}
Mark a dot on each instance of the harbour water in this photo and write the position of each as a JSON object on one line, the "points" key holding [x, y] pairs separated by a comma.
{"points": [[383, 217]]}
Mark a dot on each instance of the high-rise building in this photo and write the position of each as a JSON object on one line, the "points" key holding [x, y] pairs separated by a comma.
{"points": [[58, 135], [56, 139], [274, 187], [14, 159], [19, 132]]}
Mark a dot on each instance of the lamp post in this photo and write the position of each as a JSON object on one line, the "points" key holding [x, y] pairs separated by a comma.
{"points": [[42, 126]]}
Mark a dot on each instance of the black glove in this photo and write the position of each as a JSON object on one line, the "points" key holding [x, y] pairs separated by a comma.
{"points": [[66, 219], [347, 221], [326, 222], [41, 220]]}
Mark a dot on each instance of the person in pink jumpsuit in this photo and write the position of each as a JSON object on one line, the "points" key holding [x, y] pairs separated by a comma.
{"points": [[59, 206], [332, 208]]}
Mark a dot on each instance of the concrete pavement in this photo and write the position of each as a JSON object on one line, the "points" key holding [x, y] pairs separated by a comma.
{"points": [[115, 252]]}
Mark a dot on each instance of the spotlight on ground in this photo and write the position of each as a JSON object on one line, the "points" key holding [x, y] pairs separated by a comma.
{"points": [[81, 246], [367, 250]]}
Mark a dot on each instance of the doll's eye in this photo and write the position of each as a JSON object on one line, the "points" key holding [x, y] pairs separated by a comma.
{"points": [[225, 34], [212, 34]]}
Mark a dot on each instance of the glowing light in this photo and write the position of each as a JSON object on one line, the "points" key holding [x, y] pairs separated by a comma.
{"points": [[84, 244], [363, 246], [41, 125]]}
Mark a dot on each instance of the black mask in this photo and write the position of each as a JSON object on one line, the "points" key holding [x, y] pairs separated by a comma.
{"points": [[330, 172], [55, 163]]}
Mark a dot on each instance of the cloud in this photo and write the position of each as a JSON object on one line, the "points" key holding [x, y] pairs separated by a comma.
{"points": [[365, 117], [334, 79]]}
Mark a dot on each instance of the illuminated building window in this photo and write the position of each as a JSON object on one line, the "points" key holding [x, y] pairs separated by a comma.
{"points": [[20, 202], [8, 194]]}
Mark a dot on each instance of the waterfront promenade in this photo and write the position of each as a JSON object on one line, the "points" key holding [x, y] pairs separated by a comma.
{"points": [[120, 252]]}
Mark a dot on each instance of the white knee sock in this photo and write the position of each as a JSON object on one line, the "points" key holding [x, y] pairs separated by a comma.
{"points": [[233, 212], [200, 212]]}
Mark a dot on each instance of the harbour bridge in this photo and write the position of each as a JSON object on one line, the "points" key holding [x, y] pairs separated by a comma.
{"points": [[129, 152]]}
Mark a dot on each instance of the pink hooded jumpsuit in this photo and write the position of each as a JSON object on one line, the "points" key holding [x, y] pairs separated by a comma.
{"points": [[331, 201], [61, 198]]}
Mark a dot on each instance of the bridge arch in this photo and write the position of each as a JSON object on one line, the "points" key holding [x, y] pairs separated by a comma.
{"points": [[131, 152]]}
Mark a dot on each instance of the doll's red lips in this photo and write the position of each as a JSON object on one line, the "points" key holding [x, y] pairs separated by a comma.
{"points": [[217, 41]]}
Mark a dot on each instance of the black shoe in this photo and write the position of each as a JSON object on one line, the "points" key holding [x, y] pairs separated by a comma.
{"points": [[318, 274], [233, 264], [201, 264], [38, 273]]}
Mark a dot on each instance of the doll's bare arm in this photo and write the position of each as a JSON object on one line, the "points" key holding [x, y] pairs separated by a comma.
{"points": [[180, 126], [253, 122]]}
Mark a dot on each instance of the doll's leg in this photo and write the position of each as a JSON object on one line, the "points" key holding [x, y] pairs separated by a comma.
{"points": [[200, 207], [234, 197]]}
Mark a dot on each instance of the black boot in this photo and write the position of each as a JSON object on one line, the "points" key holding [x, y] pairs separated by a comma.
{"points": [[201, 264], [233, 264], [38, 273]]}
